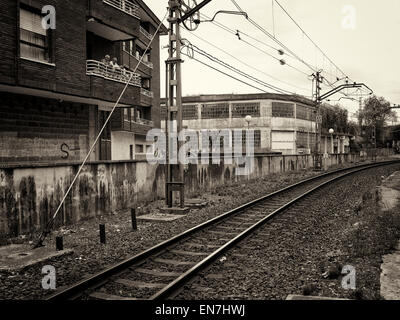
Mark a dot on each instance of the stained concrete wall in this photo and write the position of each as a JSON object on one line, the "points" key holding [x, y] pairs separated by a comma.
{"points": [[29, 196]]}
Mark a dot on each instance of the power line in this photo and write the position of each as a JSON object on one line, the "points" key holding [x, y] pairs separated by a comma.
{"points": [[50, 223], [305, 33], [224, 73], [234, 69], [238, 33], [248, 65]]}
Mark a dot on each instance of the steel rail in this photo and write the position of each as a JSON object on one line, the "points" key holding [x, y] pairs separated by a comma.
{"points": [[77, 290]]}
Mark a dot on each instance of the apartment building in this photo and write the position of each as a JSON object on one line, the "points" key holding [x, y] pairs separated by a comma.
{"points": [[57, 86]]}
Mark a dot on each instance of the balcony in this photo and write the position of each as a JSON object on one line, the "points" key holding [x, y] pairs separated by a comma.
{"points": [[125, 6], [115, 20], [99, 69], [138, 126], [146, 97], [107, 83], [144, 36]]}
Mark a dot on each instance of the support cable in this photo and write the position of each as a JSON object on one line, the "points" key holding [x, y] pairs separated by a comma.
{"points": [[50, 224]]}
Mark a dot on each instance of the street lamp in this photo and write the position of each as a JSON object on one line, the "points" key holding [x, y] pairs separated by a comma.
{"points": [[248, 120], [331, 131]]}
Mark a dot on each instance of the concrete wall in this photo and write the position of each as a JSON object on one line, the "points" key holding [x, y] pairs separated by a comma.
{"points": [[30, 196]]}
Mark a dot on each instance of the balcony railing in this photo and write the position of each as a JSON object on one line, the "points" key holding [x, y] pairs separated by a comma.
{"points": [[145, 33], [99, 69], [144, 121], [146, 63], [125, 6], [147, 93]]}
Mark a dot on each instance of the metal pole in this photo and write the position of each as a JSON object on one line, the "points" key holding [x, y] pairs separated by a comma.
{"points": [[102, 228], [134, 220], [318, 123], [174, 100]]}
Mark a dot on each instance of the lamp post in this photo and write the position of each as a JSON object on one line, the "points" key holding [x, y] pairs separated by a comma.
{"points": [[248, 120], [331, 131]]}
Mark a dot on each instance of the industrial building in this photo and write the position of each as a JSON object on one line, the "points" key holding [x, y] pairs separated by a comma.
{"points": [[281, 123]]}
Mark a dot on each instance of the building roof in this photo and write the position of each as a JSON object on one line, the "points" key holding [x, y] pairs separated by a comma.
{"points": [[252, 96], [151, 14]]}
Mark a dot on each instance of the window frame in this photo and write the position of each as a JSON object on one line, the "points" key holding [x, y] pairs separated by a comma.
{"points": [[48, 48]]}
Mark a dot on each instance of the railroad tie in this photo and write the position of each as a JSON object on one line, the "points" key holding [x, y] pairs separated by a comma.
{"points": [[106, 296], [189, 253], [174, 262], [158, 273], [198, 245], [139, 284], [224, 233]]}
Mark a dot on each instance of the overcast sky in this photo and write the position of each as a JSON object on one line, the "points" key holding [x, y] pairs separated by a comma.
{"points": [[367, 53]]}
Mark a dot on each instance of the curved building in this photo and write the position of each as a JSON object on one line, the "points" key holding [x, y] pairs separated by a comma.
{"points": [[281, 123]]}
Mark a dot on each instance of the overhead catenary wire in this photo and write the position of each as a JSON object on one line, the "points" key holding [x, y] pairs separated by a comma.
{"points": [[263, 30], [247, 64], [312, 41], [236, 70], [224, 73], [238, 33], [50, 223]]}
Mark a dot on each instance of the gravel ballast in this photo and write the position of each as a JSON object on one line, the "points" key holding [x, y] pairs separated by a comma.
{"points": [[91, 257], [301, 251]]}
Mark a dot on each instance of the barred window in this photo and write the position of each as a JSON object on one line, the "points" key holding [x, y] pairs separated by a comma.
{"points": [[163, 112], [190, 112], [215, 111], [241, 110], [305, 112], [302, 140], [257, 138], [282, 110]]}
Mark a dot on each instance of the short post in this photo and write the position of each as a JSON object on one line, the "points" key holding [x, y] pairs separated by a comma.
{"points": [[102, 233], [59, 244], [134, 221]]}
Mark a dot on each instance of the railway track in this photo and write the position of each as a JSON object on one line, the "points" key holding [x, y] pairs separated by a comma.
{"points": [[160, 271]]}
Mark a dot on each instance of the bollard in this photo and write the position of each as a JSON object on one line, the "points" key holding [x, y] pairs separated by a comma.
{"points": [[102, 233], [134, 221], [59, 244]]}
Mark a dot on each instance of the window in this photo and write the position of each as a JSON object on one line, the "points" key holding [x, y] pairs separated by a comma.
{"points": [[241, 110], [302, 140], [34, 40], [131, 151], [215, 111], [282, 110], [257, 138], [189, 112], [163, 112], [305, 113], [139, 148]]}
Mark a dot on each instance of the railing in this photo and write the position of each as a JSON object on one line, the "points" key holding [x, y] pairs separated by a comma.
{"points": [[125, 6], [99, 69], [145, 33], [147, 93], [146, 63], [144, 121]]}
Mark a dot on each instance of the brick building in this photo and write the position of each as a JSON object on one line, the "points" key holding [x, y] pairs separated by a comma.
{"points": [[55, 91], [281, 123]]}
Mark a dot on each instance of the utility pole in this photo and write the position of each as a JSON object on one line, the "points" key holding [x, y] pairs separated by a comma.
{"points": [[179, 12], [360, 110], [318, 122], [174, 172]]}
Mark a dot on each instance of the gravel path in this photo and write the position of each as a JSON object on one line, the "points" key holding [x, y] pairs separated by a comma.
{"points": [[291, 253]]}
